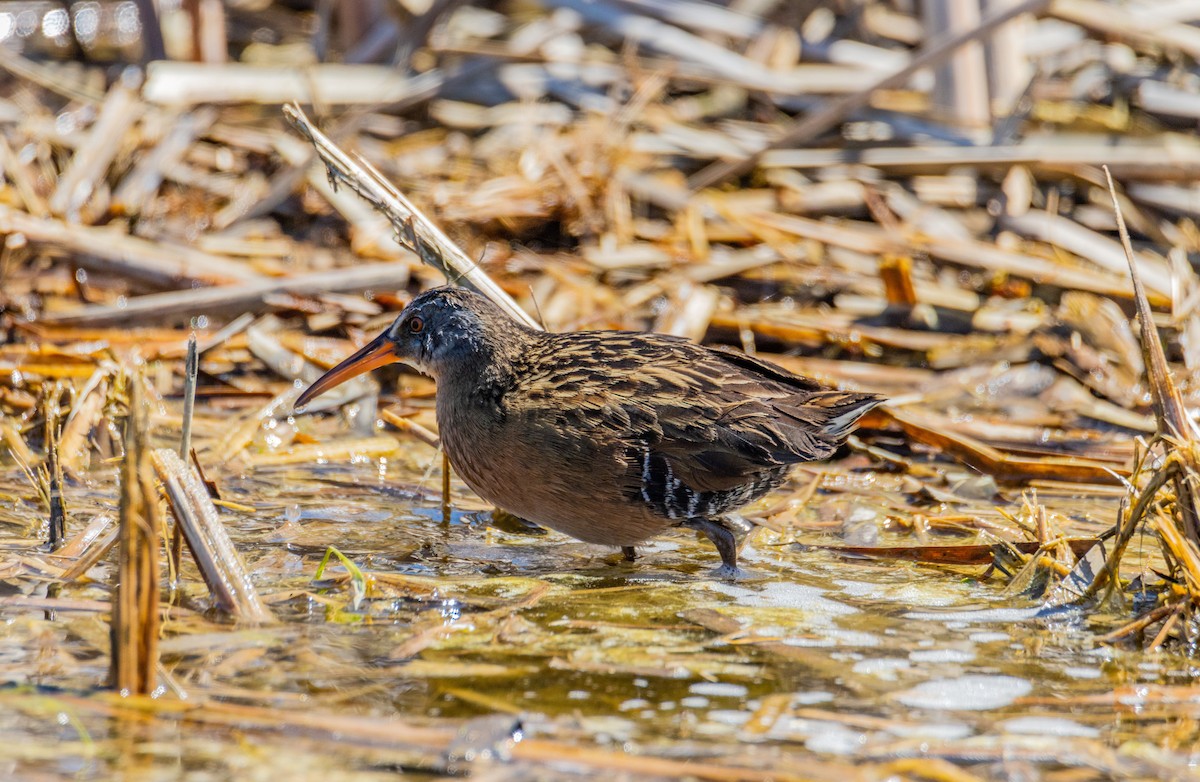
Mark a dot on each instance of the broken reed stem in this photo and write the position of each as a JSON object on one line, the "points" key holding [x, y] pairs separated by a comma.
{"points": [[191, 373], [134, 630], [215, 555]]}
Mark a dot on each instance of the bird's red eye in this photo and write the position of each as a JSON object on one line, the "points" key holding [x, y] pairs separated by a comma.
{"points": [[416, 325]]}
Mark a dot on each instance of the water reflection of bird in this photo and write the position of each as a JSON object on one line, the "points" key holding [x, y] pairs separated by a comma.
{"points": [[610, 437]]}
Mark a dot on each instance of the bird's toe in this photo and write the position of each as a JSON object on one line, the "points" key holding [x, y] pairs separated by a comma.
{"points": [[727, 573]]}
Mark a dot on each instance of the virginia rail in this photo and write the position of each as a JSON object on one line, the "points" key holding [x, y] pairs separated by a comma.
{"points": [[611, 437]]}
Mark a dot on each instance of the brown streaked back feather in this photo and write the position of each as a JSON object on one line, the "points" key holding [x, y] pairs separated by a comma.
{"points": [[701, 430]]}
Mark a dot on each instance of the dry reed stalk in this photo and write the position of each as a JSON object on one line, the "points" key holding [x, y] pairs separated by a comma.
{"points": [[190, 375], [191, 372], [135, 616], [344, 449], [869, 239], [414, 230], [961, 82], [220, 564], [232, 297], [1141, 25], [1169, 162], [422, 433], [90, 558], [139, 186], [53, 471], [692, 311], [1180, 467], [371, 235], [10, 435], [1182, 552], [81, 180], [816, 123], [23, 181], [210, 31], [1175, 426], [79, 543], [1010, 70], [992, 461], [86, 412], [186, 84], [89, 546], [102, 249], [243, 433]]}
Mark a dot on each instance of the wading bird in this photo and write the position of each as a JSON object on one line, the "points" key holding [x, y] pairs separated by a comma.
{"points": [[611, 437]]}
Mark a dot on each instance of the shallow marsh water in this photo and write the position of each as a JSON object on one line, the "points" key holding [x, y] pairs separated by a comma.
{"points": [[811, 666]]}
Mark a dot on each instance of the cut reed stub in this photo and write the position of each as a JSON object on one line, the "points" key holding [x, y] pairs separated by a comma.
{"points": [[135, 618]]}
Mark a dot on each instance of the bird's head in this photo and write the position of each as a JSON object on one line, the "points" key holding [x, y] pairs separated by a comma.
{"points": [[442, 332]]}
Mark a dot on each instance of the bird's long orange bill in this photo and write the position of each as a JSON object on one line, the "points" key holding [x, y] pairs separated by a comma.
{"points": [[376, 353]]}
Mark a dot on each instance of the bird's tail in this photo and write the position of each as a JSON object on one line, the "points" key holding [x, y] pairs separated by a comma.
{"points": [[817, 426], [837, 412]]}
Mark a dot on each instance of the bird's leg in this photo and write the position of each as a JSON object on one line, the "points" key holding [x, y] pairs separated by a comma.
{"points": [[629, 552], [722, 538]]}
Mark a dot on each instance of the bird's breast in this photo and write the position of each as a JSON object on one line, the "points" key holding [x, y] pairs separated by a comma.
{"points": [[568, 481]]}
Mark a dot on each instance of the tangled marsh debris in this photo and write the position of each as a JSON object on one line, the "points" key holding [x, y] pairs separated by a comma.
{"points": [[819, 184]]}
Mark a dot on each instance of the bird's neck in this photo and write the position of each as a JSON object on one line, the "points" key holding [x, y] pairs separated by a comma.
{"points": [[473, 389]]}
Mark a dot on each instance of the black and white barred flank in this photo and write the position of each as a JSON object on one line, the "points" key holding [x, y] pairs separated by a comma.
{"points": [[668, 495]]}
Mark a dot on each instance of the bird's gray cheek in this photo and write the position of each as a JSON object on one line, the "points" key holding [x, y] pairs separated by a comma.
{"points": [[418, 357]]}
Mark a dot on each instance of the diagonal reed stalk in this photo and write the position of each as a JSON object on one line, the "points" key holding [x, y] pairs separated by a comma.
{"points": [[214, 553], [1180, 536], [414, 230]]}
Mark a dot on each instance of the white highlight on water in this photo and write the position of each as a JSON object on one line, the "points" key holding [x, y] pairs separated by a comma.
{"points": [[966, 693]]}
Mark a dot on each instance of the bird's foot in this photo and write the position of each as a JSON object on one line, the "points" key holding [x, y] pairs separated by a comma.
{"points": [[727, 573], [629, 553], [723, 539]]}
